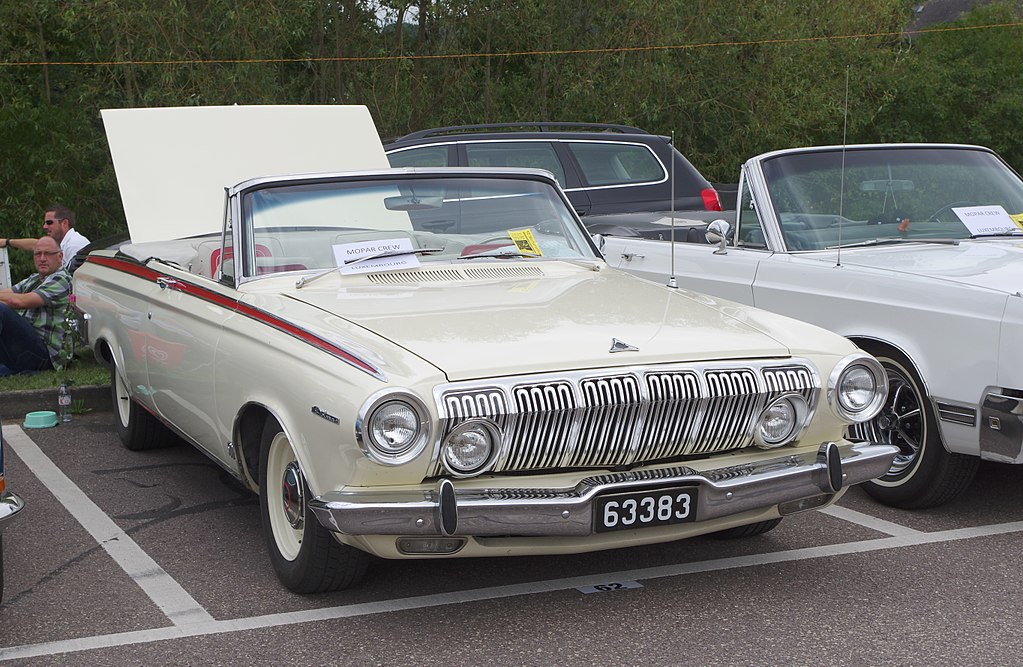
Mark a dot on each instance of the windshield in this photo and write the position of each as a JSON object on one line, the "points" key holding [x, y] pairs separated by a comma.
{"points": [[828, 198], [361, 225]]}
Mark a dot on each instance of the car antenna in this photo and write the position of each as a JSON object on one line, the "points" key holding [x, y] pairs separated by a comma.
{"points": [[672, 283], [841, 183]]}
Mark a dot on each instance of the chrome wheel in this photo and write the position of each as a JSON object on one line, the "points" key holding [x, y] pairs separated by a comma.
{"points": [[901, 422], [924, 473]]}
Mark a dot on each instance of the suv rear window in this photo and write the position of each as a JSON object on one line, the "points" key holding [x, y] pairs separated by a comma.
{"points": [[616, 163], [424, 156], [533, 154]]}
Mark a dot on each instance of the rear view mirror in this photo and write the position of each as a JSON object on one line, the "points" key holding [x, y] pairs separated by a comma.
{"points": [[717, 232], [413, 203], [886, 186]]}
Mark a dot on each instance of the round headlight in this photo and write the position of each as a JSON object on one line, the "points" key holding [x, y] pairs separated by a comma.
{"points": [[781, 421], [393, 427], [470, 447], [857, 388]]}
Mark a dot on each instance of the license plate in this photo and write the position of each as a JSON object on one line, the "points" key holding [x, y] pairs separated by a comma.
{"points": [[640, 509]]}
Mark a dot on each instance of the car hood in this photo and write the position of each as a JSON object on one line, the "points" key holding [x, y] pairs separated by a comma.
{"points": [[170, 191], [562, 319], [988, 263]]}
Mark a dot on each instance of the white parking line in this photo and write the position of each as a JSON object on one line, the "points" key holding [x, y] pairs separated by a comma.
{"points": [[872, 522], [180, 607], [498, 592]]}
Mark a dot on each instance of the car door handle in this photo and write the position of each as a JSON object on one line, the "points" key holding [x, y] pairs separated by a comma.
{"points": [[164, 283], [627, 256]]}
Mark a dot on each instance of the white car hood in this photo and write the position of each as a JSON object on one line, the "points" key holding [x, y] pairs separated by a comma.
{"points": [[992, 264], [559, 322], [173, 164]]}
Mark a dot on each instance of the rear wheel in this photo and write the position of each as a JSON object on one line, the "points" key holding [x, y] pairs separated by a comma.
{"points": [[137, 428], [924, 473], [304, 554]]}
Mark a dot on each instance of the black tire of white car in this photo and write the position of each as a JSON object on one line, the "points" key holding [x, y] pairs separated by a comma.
{"points": [[137, 429], [924, 473], [749, 530], [305, 556]]}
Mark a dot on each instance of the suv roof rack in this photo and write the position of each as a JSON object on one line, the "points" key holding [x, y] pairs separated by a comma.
{"points": [[523, 127]]}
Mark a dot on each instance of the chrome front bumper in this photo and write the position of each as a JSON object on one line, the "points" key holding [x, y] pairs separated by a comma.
{"points": [[10, 505], [723, 492]]}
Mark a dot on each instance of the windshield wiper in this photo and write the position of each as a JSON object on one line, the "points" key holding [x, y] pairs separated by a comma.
{"points": [[589, 265], [391, 253], [873, 242], [305, 280], [500, 255], [1011, 232]]}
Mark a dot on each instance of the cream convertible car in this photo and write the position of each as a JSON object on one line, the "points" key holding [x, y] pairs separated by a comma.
{"points": [[438, 363], [915, 252]]}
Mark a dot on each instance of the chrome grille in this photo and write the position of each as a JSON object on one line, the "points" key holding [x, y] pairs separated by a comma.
{"points": [[624, 417], [790, 379]]}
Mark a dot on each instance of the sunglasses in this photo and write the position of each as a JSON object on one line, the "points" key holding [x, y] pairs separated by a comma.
{"points": [[47, 223], [41, 253]]}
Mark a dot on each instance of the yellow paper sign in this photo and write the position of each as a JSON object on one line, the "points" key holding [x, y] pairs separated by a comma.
{"points": [[1018, 219], [524, 242]]}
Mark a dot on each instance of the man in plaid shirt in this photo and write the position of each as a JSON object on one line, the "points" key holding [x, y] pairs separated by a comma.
{"points": [[32, 314]]}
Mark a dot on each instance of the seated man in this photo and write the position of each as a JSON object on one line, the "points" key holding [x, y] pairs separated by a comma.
{"points": [[32, 314], [58, 223]]}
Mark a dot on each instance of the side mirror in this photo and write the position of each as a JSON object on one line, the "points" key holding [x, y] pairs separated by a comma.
{"points": [[717, 232], [598, 240]]}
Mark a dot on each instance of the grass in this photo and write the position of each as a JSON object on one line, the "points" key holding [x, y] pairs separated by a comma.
{"points": [[84, 371]]}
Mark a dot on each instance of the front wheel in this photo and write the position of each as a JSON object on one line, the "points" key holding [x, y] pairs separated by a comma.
{"points": [[305, 556], [924, 473], [749, 530]]}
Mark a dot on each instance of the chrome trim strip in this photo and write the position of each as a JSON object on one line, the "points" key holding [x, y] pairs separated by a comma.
{"points": [[957, 414], [191, 288], [537, 511]]}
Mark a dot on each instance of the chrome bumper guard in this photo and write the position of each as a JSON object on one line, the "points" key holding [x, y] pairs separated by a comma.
{"points": [[723, 492], [10, 505]]}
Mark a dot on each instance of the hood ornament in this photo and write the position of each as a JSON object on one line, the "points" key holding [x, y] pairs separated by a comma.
{"points": [[621, 346]]}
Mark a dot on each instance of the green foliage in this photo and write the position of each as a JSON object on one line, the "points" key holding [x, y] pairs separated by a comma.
{"points": [[84, 371], [738, 78]]}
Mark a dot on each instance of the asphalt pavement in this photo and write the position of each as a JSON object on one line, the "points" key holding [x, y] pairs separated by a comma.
{"points": [[157, 558]]}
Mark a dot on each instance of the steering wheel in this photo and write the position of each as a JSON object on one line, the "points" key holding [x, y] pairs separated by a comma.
{"points": [[933, 217]]}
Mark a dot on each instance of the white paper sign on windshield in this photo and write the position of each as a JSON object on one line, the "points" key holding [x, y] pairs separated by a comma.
{"points": [[981, 220], [381, 255]]}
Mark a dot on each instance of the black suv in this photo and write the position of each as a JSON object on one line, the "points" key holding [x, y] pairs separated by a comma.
{"points": [[602, 168]]}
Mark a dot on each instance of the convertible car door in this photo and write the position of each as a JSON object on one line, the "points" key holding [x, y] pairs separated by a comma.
{"points": [[698, 265], [697, 268], [186, 320]]}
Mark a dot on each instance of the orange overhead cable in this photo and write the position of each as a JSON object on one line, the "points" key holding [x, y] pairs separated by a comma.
{"points": [[551, 52]]}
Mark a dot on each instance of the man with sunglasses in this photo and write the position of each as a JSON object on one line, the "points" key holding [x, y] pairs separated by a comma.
{"points": [[59, 224], [32, 313]]}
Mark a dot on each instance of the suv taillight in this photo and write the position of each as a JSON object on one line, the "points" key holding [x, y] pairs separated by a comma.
{"points": [[710, 199]]}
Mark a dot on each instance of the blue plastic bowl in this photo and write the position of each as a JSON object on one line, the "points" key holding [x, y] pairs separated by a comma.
{"points": [[41, 419]]}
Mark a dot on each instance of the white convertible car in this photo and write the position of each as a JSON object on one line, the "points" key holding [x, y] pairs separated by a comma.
{"points": [[914, 252], [437, 363]]}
